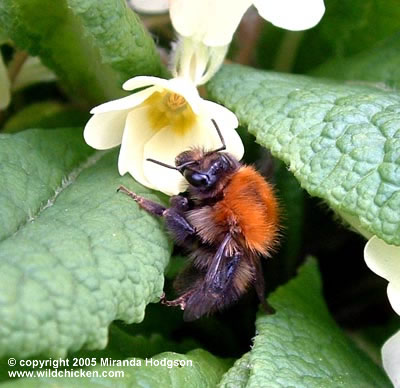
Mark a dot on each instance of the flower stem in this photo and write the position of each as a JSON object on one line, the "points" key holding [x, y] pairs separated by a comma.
{"points": [[16, 64], [287, 51]]}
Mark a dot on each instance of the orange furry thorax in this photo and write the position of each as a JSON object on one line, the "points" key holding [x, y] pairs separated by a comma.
{"points": [[251, 204], [248, 210]]}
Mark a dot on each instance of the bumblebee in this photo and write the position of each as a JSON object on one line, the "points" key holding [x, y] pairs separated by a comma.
{"points": [[226, 221]]}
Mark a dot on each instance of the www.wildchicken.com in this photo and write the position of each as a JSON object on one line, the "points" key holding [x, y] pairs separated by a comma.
{"points": [[42, 367]]}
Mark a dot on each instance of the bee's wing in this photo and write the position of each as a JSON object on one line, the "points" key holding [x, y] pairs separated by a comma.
{"points": [[216, 289], [217, 276]]}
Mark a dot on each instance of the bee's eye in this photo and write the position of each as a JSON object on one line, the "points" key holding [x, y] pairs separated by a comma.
{"points": [[197, 179]]}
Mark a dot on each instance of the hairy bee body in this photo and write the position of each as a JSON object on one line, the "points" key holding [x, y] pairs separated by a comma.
{"points": [[226, 220]]}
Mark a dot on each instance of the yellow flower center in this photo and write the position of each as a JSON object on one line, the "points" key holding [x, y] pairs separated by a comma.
{"points": [[175, 101], [169, 109]]}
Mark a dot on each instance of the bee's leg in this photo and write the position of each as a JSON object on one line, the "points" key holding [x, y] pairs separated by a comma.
{"points": [[175, 221], [181, 301], [267, 307], [179, 203], [180, 228], [150, 206], [260, 287]]}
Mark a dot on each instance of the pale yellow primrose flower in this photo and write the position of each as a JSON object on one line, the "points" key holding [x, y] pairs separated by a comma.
{"points": [[149, 6], [391, 359], [160, 122], [206, 28], [214, 22], [384, 260]]}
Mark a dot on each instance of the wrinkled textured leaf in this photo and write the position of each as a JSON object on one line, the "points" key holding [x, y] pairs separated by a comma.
{"points": [[88, 257], [205, 372], [341, 142], [98, 44], [380, 64], [121, 346], [238, 375], [301, 346], [32, 165]]}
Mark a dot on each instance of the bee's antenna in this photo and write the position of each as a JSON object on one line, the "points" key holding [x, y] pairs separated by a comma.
{"points": [[178, 168], [162, 164], [220, 136]]}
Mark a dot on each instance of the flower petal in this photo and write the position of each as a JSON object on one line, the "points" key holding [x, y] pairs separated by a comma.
{"points": [[292, 15], [393, 292], [391, 358], [384, 260], [4, 85], [212, 22], [182, 86], [128, 102], [142, 81], [104, 130], [227, 122], [166, 145], [149, 6], [137, 132]]}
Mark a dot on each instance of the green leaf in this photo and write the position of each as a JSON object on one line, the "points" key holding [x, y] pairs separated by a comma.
{"points": [[33, 165], [347, 28], [371, 339], [93, 46], [238, 375], [301, 346], [380, 64], [86, 258], [340, 141], [3, 35], [291, 199], [359, 24], [175, 265], [122, 345], [46, 114], [205, 371]]}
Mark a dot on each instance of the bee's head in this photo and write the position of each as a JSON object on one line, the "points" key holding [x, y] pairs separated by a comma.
{"points": [[206, 171]]}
